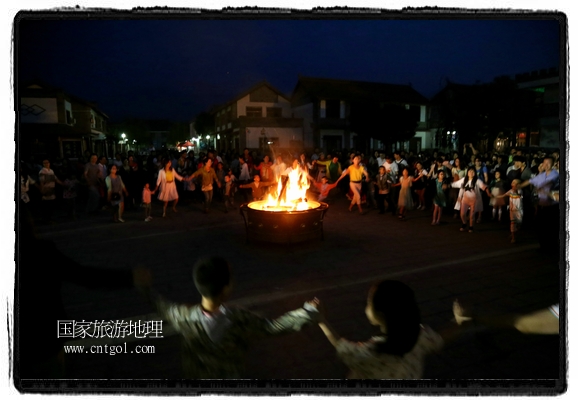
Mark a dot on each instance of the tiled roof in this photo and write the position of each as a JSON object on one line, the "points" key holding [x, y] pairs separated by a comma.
{"points": [[324, 88]]}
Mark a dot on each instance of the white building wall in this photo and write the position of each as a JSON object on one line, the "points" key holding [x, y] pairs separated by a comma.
{"points": [[245, 102], [38, 110], [427, 139], [285, 135]]}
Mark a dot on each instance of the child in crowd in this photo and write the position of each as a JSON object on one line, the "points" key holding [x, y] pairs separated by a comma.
{"points": [[405, 201], [324, 187], [400, 350], [217, 336], [257, 187], [69, 194], [146, 201], [227, 190], [439, 199], [516, 211], [497, 188], [232, 187]]}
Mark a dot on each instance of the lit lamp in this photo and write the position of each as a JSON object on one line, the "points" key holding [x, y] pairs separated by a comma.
{"points": [[500, 143]]}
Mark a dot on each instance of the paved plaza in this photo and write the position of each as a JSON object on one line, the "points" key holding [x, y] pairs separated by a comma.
{"points": [[482, 269]]}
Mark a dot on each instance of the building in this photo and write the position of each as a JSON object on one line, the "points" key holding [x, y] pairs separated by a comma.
{"points": [[545, 86], [520, 111], [53, 123], [255, 119], [335, 111]]}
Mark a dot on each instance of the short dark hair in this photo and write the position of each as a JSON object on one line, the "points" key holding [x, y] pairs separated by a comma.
{"points": [[211, 275], [519, 158], [396, 302]]}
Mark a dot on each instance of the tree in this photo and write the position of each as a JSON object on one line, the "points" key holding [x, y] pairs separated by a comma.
{"points": [[204, 124], [389, 123]]}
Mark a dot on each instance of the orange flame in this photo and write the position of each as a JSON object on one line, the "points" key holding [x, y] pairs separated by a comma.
{"points": [[294, 197]]}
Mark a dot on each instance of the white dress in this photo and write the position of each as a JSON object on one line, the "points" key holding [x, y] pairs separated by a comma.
{"points": [[365, 363], [479, 205], [168, 189]]}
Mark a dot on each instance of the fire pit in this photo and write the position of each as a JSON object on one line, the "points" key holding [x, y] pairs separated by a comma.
{"points": [[278, 225], [285, 216]]}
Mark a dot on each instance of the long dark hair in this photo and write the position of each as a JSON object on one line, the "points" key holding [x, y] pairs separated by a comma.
{"points": [[396, 302], [466, 178]]}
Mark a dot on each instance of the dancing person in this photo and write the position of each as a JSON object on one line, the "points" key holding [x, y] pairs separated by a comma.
{"points": [[458, 172], [400, 351], [279, 168], [115, 193], [266, 173], [548, 215], [93, 178], [419, 185], [244, 177], [167, 187], [228, 192], [470, 198], [208, 175], [257, 187], [146, 201], [356, 173], [405, 201], [25, 182], [324, 187], [382, 184], [332, 168], [439, 199], [545, 321], [497, 188], [516, 208], [216, 337], [47, 181]]}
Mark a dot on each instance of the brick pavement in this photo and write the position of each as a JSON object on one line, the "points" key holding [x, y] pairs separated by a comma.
{"points": [[438, 262]]}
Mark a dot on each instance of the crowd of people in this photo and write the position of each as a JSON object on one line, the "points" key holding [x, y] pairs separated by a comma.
{"points": [[520, 187], [469, 185]]}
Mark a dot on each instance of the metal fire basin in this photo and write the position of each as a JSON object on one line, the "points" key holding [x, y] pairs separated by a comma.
{"points": [[283, 226]]}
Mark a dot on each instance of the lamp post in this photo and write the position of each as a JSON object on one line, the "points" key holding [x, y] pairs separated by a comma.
{"points": [[123, 136]]}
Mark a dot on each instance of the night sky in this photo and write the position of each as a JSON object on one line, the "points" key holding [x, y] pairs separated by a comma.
{"points": [[175, 69]]}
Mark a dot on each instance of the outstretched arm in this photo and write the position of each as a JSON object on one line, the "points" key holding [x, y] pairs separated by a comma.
{"points": [[543, 321]]}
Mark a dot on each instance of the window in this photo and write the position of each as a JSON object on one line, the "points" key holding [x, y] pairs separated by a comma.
{"points": [[274, 112], [322, 108], [254, 112], [333, 109], [69, 119]]}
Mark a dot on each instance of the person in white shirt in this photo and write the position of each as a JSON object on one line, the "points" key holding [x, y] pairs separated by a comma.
{"points": [[244, 178], [470, 197], [279, 167]]}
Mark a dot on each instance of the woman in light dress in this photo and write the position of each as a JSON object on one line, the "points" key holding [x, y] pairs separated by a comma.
{"points": [[167, 187]]}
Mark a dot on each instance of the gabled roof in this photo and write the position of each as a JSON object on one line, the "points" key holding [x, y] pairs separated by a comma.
{"points": [[324, 88], [458, 89], [248, 91], [39, 88]]}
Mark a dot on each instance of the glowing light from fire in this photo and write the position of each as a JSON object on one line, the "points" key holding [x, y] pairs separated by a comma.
{"points": [[291, 197]]}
